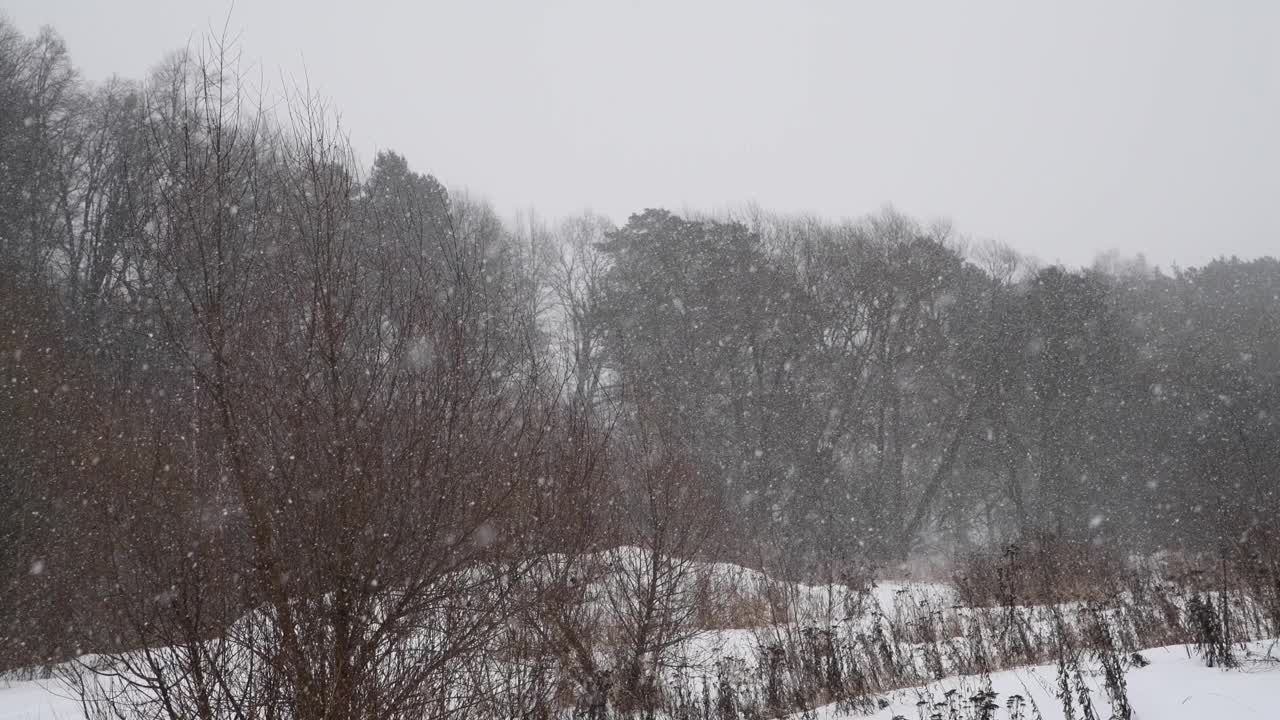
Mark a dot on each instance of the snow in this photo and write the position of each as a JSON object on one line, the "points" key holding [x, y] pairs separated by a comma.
{"points": [[1175, 686], [37, 700]]}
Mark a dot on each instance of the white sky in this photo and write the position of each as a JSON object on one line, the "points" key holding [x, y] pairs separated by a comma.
{"points": [[1064, 129]]}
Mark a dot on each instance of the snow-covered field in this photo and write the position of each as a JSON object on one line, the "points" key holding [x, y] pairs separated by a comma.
{"points": [[37, 700], [929, 635], [1175, 686]]}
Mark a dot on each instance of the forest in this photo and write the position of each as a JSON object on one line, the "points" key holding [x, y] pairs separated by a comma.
{"points": [[245, 375]]}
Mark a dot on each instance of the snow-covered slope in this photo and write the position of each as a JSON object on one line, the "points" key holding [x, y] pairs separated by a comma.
{"points": [[1175, 686], [895, 635], [37, 700]]}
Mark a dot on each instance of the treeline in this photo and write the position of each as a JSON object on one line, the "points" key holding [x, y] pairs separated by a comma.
{"points": [[239, 371], [878, 384]]}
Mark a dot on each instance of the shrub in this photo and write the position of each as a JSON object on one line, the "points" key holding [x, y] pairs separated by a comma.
{"points": [[1041, 569]]}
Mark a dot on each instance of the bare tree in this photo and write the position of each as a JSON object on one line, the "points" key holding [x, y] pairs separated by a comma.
{"points": [[374, 421], [574, 268], [656, 583]]}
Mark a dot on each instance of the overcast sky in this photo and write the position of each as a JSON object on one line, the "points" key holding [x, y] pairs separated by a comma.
{"points": [[1064, 129]]}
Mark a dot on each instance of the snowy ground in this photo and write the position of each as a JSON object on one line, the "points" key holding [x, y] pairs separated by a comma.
{"points": [[1175, 686], [36, 700]]}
